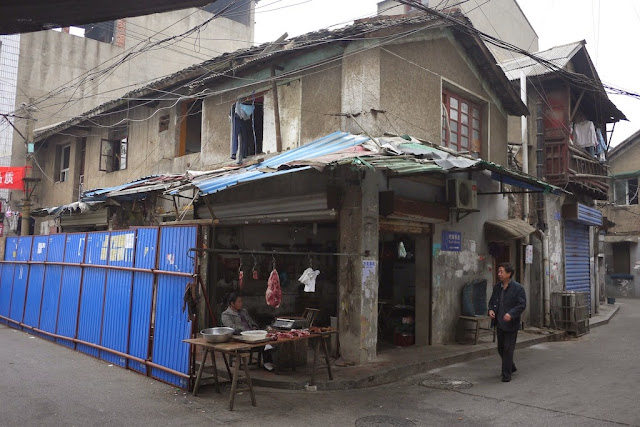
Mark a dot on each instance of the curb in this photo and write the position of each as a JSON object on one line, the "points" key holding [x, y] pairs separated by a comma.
{"points": [[389, 375], [605, 320]]}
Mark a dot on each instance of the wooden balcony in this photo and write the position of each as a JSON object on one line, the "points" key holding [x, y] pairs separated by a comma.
{"points": [[576, 170]]}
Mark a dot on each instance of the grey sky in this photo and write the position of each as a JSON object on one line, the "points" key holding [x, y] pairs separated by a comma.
{"points": [[611, 29]]}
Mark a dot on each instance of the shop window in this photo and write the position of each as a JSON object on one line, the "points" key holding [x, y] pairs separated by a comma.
{"points": [[63, 160], [190, 127], [113, 151], [461, 123], [625, 191]]}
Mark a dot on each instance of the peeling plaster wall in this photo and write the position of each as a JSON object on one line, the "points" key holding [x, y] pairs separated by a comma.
{"points": [[556, 242], [452, 270]]}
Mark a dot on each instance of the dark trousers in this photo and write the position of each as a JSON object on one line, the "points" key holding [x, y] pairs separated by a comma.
{"points": [[240, 129], [506, 347]]}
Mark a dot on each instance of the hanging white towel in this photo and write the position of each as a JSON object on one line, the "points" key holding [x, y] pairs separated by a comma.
{"points": [[308, 278]]}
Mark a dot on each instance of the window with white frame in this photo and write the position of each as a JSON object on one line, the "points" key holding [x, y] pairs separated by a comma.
{"points": [[625, 191], [62, 162]]}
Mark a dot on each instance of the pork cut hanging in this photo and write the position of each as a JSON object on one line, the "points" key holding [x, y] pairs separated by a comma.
{"points": [[274, 293]]}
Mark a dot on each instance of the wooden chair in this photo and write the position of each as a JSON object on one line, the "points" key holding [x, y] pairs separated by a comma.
{"points": [[310, 315]]}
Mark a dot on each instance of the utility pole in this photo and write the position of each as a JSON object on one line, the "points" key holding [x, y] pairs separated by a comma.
{"points": [[28, 180]]}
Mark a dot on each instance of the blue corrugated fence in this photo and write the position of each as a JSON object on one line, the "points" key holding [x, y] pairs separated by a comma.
{"points": [[95, 291]]}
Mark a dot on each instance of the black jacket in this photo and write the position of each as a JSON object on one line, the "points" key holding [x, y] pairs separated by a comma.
{"points": [[515, 301]]}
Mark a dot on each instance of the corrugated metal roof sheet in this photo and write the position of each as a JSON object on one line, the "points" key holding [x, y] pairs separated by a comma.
{"points": [[333, 143], [558, 55]]}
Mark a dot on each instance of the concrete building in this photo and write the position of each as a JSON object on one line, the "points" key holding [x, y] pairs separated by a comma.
{"points": [[65, 73], [621, 212], [503, 19], [9, 58], [395, 237]]}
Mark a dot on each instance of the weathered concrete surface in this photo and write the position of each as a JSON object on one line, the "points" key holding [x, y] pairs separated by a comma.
{"points": [[591, 381]]}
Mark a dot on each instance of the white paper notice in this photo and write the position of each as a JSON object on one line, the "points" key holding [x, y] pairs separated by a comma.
{"points": [[129, 241], [368, 269], [528, 255]]}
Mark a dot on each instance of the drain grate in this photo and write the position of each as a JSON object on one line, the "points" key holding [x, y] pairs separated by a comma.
{"points": [[446, 384], [383, 421]]}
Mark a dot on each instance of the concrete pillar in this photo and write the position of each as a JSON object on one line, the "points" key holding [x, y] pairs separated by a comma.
{"points": [[358, 275], [423, 289]]}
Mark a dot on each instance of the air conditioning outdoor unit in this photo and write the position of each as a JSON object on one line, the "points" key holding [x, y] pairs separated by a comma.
{"points": [[462, 193]]}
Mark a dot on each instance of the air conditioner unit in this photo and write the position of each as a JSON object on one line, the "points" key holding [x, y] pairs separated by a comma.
{"points": [[462, 193]]}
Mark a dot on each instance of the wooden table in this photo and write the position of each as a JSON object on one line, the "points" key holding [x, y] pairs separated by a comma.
{"points": [[242, 350]]}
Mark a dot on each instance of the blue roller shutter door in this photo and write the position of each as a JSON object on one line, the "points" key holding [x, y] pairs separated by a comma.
{"points": [[576, 255]]}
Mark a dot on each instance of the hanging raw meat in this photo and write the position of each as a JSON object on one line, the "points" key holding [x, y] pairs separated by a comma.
{"points": [[274, 293]]}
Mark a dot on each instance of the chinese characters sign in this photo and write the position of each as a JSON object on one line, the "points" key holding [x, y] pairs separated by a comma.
{"points": [[451, 241], [11, 178]]}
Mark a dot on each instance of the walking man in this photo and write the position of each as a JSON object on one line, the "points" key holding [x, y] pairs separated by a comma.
{"points": [[507, 303]]}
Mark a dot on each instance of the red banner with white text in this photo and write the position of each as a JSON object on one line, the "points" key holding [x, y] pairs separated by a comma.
{"points": [[11, 177]]}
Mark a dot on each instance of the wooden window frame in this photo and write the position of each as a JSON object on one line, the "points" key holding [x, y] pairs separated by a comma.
{"points": [[119, 148], [453, 123]]}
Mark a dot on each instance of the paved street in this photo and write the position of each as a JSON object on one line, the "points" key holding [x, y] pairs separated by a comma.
{"points": [[590, 381]]}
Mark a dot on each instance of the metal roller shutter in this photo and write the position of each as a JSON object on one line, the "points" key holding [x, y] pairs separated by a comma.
{"points": [[576, 255]]}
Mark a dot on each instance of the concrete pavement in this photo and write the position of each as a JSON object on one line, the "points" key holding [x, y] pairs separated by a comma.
{"points": [[591, 380]]}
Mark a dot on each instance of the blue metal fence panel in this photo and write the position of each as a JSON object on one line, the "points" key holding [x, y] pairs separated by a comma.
{"points": [[92, 299], [145, 257], [70, 288], [52, 279], [6, 280], [172, 325], [36, 281], [20, 279], [117, 300], [577, 260]]}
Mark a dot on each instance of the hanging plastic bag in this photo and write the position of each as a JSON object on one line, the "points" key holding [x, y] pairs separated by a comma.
{"points": [[308, 279]]}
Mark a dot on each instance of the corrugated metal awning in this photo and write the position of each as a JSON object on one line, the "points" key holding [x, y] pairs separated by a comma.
{"points": [[508, 229]]}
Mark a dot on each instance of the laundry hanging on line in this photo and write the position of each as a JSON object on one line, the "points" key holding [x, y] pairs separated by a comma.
{"points": [[246, 130]]}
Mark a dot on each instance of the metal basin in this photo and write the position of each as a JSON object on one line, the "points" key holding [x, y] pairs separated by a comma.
{"points": [[217, 335]]}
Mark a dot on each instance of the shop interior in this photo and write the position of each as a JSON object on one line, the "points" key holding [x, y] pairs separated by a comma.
{"points": [[396, 291], [243, 267]]}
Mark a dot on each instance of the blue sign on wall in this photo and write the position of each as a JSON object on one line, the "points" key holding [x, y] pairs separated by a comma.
{"points": [[451, 241]]}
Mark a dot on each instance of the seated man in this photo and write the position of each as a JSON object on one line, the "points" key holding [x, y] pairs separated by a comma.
{"points": [[238, 318]]}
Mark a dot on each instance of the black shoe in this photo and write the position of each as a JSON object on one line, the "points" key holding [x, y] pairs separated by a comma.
{"points": [[506, 380], [514, 369]]}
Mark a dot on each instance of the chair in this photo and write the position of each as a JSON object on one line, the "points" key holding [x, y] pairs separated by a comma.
{"points": [[310, 315]]}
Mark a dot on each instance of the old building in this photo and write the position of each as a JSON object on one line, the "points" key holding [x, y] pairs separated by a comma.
{"points": [[503, 19], [622, 215], [564, 142], [63, 73], [396, 225]]}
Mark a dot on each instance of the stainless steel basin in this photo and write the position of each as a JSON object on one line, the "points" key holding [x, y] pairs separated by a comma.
{"points": [[217, 335]]}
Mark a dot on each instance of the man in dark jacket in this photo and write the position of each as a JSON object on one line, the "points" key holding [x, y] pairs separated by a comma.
{"points": [[507, 303]]}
